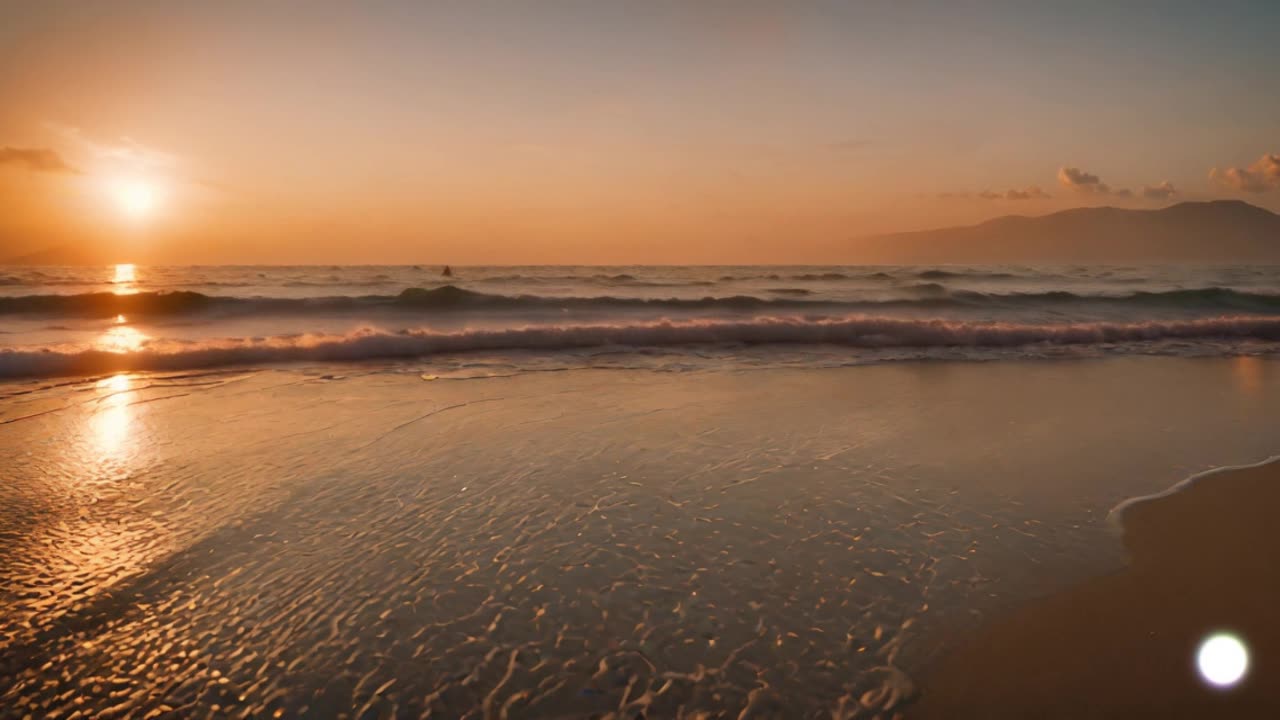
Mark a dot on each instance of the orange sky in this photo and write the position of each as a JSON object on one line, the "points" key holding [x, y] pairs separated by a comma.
{"points": [[598, 133]]}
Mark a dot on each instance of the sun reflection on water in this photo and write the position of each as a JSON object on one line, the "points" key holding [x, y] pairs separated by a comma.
{"points": [[1249, 373], [125, 276], [116, 383], [109, 426], [122, 339]]}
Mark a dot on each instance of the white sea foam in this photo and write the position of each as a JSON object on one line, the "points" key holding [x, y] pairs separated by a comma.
{"points": [[856, 331]]}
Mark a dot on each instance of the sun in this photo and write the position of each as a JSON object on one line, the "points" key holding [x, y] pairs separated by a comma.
{"points": [[136, 198]]}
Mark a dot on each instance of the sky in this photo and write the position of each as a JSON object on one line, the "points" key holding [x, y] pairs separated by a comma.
{"points": [[610, 132]]}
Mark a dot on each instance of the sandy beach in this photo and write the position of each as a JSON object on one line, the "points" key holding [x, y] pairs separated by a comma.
{"points": [[1125, 644], [355, 541]]}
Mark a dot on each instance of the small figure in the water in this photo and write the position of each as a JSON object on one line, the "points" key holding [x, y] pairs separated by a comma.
{"points": [[447, 272]]}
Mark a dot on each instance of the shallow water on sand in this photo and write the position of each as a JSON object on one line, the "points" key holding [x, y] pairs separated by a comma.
{"points": [[301, 542]]}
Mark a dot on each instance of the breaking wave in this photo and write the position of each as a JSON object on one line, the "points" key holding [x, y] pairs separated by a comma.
{"points": [[849, 331], [453, 298], [945, 274]]}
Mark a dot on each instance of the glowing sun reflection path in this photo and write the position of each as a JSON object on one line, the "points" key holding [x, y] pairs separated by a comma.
{"points": [[126, 275], [122, 339], [110, 424]]}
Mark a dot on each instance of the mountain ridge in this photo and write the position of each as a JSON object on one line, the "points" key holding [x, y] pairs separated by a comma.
{"points": [[1190, 231]]}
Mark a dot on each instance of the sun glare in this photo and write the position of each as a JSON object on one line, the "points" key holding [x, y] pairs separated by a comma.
{"points": [[134, 197]]}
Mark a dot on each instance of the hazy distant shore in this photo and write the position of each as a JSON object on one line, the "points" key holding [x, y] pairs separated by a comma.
{"points": [[1201, 562]]}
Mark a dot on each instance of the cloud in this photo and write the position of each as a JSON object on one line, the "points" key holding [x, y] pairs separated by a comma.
{"points": [[1032, 193], [1262, 175], [1088, 183], [1081, 181], [1085, 183], [1163, 191], [36, 160], [123, 149], [134, 152]]}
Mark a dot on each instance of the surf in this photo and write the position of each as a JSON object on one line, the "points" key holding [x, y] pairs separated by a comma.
{"points": [[455, 298], [854, 332]]}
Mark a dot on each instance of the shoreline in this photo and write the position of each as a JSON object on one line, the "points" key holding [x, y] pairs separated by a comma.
{"points": [[1125, 643], [329, 354], [1116, 516]]}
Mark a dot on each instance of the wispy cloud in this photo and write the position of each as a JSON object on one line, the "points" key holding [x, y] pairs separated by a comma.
{"points": [[1262, 175], [1033, 192], [123, 149], [1163, 191], [36, 160]]}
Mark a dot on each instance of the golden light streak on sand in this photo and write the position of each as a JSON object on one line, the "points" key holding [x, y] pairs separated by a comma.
{"points": [[109, 427], [1248, 372]]}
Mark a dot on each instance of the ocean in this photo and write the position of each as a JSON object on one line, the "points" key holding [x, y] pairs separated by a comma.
{"points": [[73, 320]]}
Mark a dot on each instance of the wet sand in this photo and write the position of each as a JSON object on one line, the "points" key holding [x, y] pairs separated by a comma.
{"points": [[348, 542], [1202, 561]]}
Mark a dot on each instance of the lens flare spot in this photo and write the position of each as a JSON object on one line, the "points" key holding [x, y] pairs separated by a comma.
{"points": [[1223, 660]]}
